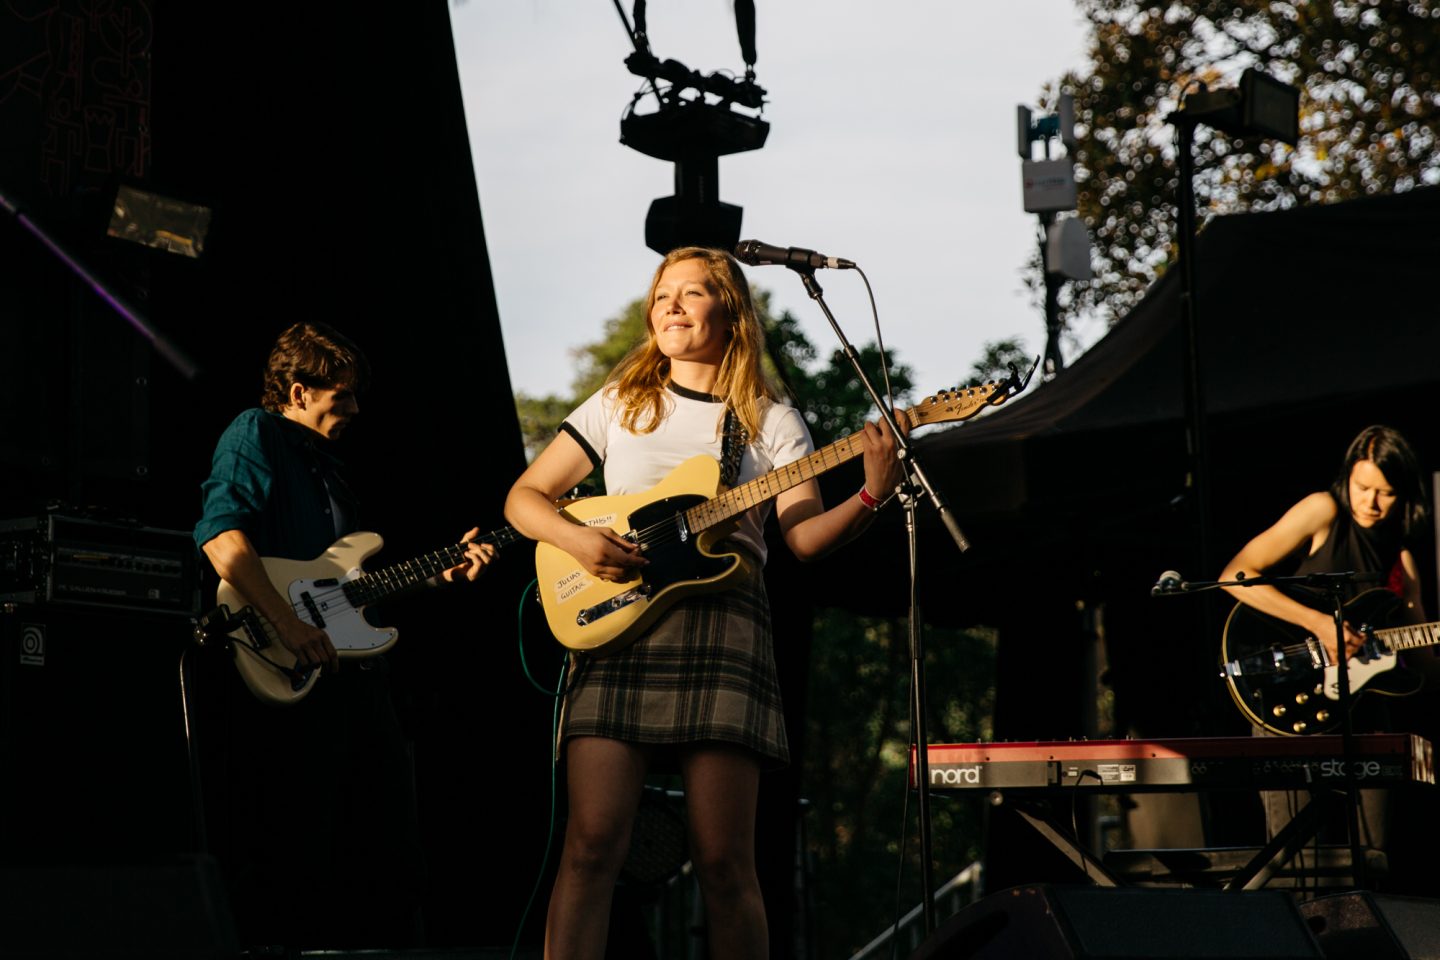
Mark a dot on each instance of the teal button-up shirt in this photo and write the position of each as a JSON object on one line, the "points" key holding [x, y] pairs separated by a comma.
{"points": [[272, 481]]}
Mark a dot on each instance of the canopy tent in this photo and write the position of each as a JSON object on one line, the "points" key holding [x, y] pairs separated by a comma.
{"points": [[1312, 323]]}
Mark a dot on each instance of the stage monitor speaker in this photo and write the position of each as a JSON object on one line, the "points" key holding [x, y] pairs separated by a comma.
{"points": [[92, 743], [1370, 926], [1131, 923], [175, 911]]}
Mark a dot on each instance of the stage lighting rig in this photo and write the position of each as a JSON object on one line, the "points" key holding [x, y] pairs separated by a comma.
{"points": [[698, 119]]}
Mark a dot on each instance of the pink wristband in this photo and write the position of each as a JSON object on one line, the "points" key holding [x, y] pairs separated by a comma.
{"points": [[868, 500]]}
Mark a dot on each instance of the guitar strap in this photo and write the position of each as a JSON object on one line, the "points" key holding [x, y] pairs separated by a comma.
{"points": [[732, 448]]}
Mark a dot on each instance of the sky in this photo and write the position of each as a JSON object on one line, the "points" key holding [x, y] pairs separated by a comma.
{"points": [[892, 144]]}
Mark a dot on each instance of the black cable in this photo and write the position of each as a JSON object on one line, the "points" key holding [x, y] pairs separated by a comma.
{"points": [[629, 30], [879, 341], [550, 834], [1090, 856], [745, 27], [576, 659]]}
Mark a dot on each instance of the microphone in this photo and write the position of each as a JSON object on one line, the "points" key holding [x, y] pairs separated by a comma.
{"points": [[759, 254], [1170, 582]]}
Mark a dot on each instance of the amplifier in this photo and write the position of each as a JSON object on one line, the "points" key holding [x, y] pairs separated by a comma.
{"points": [[65, 561]]}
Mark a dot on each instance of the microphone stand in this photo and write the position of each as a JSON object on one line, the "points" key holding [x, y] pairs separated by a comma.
{"points": [[1331, 586], [915, 480]]}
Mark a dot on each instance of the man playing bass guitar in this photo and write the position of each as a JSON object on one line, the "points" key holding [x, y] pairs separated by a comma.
{"points": [[318, 800]]}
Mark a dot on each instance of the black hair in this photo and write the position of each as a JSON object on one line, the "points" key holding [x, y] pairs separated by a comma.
{"points": [[1388, 450]]}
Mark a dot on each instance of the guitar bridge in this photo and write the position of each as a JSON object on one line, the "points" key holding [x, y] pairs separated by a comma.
{"points": [[618, 602]]}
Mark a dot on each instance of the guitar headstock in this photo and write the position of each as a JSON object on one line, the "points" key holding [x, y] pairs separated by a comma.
{"points": [[962, 403]]}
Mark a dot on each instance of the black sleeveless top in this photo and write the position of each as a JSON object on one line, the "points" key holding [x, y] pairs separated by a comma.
{"points": [[1352, 547]]}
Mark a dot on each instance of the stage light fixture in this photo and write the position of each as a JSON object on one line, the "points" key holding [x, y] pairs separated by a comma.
{"points": [[1260, 107], [698, 120]]}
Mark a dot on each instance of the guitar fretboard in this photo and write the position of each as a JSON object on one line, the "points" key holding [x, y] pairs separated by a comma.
{"points": [[383, 583], [739, 499], [941, 408], [1410, 637]]}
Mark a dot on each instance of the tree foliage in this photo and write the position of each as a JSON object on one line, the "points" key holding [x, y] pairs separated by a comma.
{"points": [[999, 356], [1369, 75], [857, 766]]}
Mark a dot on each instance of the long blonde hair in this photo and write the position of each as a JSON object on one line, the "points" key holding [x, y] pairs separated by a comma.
{"points": [[639, 380]]}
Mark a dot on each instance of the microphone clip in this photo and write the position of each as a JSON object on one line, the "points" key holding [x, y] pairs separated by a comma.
{"points": [[1169, 583]]}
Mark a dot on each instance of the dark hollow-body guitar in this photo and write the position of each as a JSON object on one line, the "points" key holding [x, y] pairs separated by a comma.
{"points": [[1282, 679]]}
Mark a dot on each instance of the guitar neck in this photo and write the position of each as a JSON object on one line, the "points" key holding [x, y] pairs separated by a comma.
{"points": [[944, 407], [1411, 637], [391, 580], [755, 492]]}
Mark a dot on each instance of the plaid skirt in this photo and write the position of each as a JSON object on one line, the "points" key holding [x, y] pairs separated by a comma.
{"points": [[704, 672]]}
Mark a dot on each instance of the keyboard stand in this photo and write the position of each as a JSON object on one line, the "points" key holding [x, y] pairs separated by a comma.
{"points": [[1257, 870], [1299, 831], [1061, 839], [1250, 868]]}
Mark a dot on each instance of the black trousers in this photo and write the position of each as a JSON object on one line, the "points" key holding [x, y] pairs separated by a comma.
{"points": [[312, 811]]}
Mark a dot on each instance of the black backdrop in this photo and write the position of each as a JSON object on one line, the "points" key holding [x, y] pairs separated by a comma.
{"points": [[330, 142]]}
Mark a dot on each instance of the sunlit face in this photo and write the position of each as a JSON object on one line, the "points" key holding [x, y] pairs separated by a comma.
{"points": [[323, 410], [1371, 496], [689, 319]]}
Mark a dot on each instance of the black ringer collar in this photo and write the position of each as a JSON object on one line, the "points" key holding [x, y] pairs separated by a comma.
{"points": [[689, 394]]}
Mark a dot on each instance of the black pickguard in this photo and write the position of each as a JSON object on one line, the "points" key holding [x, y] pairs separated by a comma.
{"points": [[673, 552], [1281, 685]]}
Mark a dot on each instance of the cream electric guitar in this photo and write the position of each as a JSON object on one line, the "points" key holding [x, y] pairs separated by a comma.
{"points": [[330, 592], [677, 524]]}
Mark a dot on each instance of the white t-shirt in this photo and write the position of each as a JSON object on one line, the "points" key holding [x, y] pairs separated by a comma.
{"points": [[693, 424]]}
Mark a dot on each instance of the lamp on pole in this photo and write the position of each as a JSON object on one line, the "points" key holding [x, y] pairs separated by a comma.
{"points": [[1260, 107], [1049, 188]]}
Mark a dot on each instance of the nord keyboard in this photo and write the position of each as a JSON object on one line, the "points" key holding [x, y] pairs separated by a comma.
{"points": [[1198, 763]]}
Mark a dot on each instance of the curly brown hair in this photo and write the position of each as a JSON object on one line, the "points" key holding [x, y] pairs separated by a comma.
{"points": [[314, 355]]}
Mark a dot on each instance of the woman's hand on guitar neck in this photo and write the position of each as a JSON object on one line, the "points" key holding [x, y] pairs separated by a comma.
{"points": [[882, 469]]}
